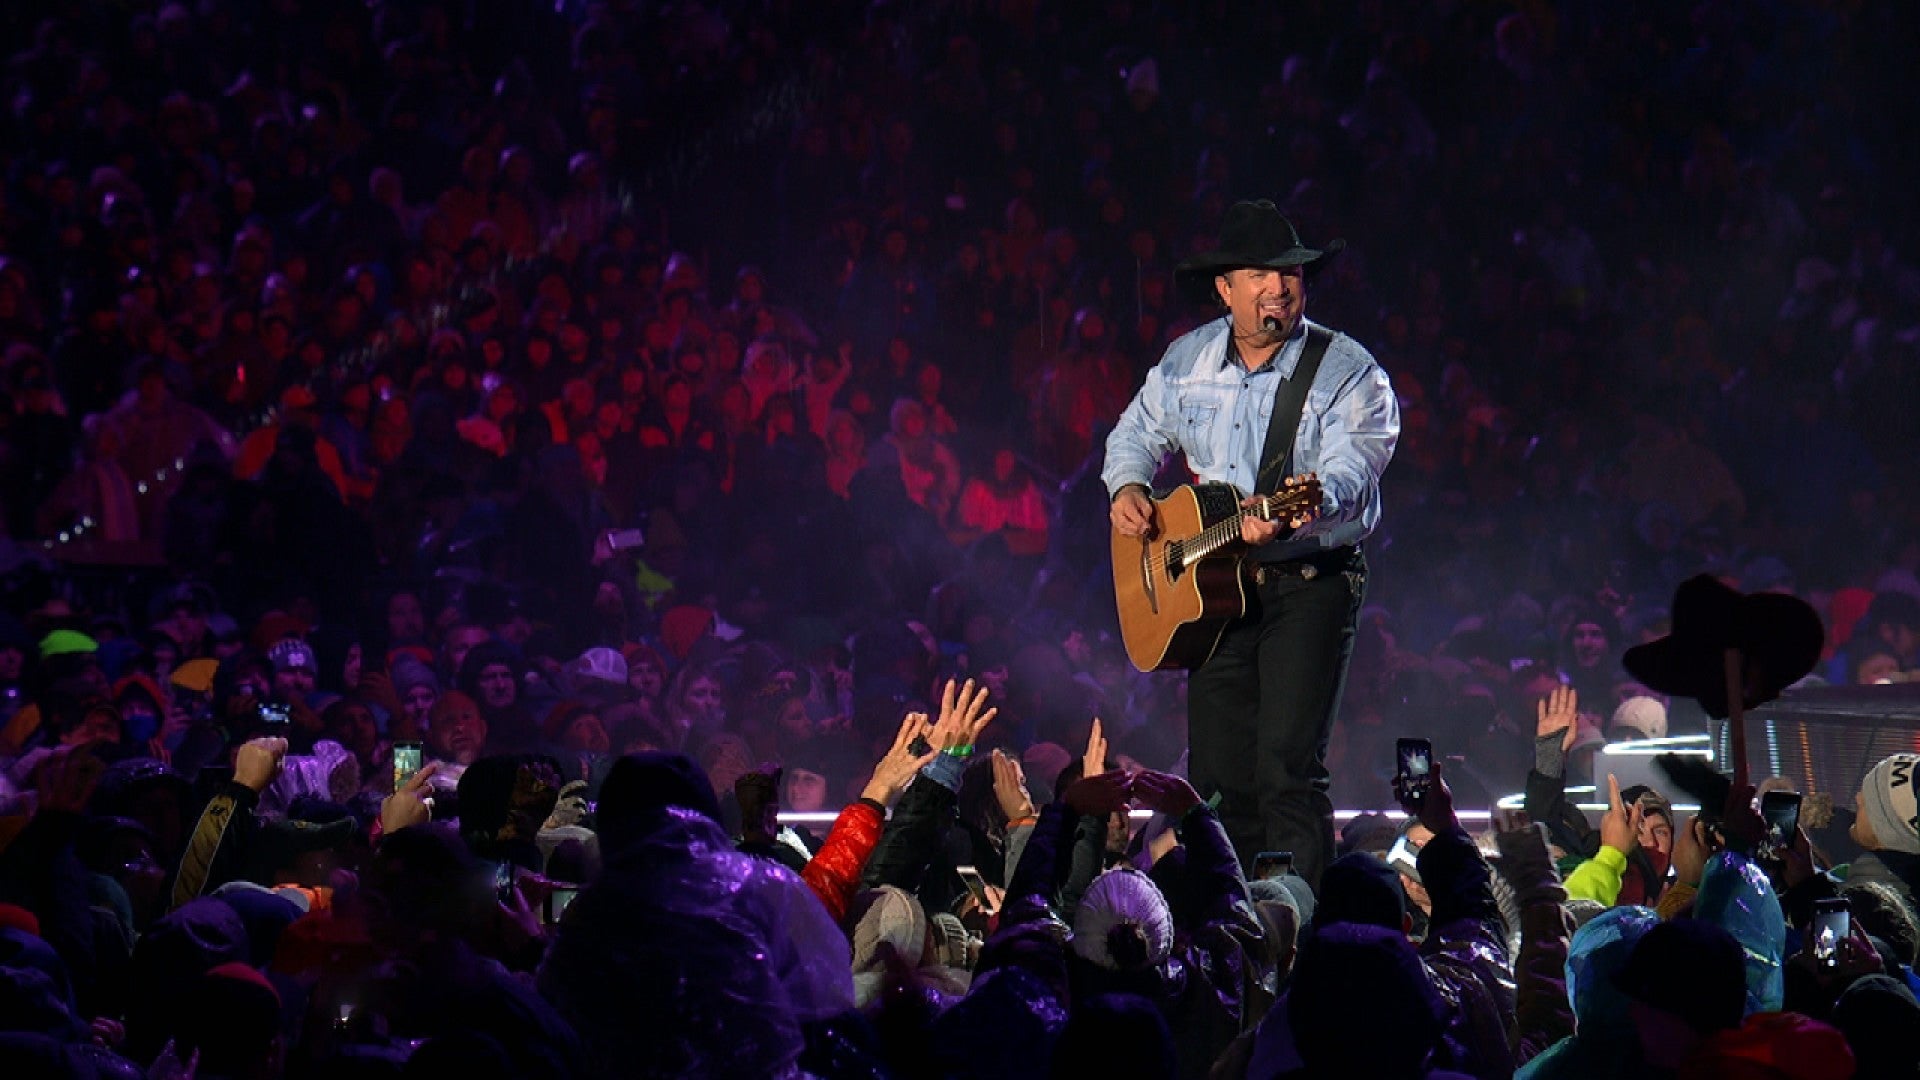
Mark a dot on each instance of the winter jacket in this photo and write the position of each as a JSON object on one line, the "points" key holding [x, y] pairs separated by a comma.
{"points": [[1542, 1014], [834, 872], [914, 836], [1736, 895], [1598, 878], [1898, 870], [1466, 952], [1605, 1044], [221, 843], [688, 958]]}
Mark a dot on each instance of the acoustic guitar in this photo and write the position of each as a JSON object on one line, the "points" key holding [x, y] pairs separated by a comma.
{"points": [[1180, 586]]}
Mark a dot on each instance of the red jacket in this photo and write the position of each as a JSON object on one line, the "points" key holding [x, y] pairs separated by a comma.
{"points": [[834, 873]]}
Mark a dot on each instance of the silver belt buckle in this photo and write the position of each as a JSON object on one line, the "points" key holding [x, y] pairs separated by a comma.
{"points": [[1308, 571]]}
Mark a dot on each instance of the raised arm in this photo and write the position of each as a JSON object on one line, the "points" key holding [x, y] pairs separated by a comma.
{"points": [[834, 873]]}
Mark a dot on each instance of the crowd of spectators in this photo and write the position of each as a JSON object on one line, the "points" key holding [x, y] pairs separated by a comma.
{"points": [[649, 409]]}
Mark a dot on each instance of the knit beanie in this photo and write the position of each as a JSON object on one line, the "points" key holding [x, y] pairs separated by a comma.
{"points": [[1887, 793], [887, 915], [408, 673], [1123, 923]]}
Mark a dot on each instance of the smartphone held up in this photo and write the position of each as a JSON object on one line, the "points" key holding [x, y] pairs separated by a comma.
{"points": [[1780, 811], [1413, 772]]}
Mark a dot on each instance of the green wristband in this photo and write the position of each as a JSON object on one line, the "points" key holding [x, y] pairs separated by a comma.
{"points": [[959, 751]]}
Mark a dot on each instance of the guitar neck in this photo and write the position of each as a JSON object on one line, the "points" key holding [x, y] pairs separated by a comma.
{"points": [[1227, 530]]}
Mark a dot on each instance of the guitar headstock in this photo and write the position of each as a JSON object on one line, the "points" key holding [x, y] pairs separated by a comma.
{"points": [[1296, 494]]}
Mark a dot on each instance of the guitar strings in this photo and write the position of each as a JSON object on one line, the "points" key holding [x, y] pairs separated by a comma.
{"points": [[1221, 532]]}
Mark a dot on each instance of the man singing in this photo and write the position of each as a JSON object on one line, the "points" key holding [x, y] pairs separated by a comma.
{"points": [[1260, 710]]}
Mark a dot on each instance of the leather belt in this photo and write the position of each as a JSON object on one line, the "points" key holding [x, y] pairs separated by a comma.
{"points": [[1307, 568]]}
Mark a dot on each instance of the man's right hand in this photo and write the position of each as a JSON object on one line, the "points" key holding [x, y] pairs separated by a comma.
{"points": [[1620, 825], [257, 762], [1132, 512], [410, 806]]}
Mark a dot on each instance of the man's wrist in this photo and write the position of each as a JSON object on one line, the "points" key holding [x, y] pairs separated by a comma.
{"points": [[1124, 488]]}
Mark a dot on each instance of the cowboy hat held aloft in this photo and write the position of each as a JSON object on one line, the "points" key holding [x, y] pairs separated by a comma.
{"points": [[1779, 636], [1251, 234]]}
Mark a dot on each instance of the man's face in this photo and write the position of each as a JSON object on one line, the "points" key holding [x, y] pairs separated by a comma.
{"points": [[460, 642], [806, 791], [497, 686], [459, 734], [355, 730], [1656, 834], [587, 733], [293, 684], [100, 725], [646, 678], [704, 700], [186, 624], [1878, 667], [1255, 294], [405, 620], [1589, 644], [418, 703]]}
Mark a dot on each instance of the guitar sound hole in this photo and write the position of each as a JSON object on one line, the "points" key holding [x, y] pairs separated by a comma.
{"points": [[1176, 560]]}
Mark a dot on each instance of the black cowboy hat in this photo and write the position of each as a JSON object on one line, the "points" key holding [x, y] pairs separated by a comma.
{"points": [[1780, 637], [1252, 234]]}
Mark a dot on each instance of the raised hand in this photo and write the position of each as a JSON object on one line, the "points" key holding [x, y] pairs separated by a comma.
{"points": [[1100, 795], [1559, 711], [257, 762], [1436, 809], [961, 719], [1010, 787], [536, 788], [1095, 761], [168, 1065], [67, 777], [896, 769], [409, 807], [1163, 792], [1620, 825]]}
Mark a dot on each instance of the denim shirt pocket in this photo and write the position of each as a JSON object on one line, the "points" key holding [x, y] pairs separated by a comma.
{"points": [[1196, 431]]}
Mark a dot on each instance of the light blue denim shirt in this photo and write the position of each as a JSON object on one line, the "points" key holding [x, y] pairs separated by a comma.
{"points": [[1201, 401]]}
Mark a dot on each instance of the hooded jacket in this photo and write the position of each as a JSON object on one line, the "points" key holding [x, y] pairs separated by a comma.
{"points": [[1604, 1043], [690, 958], [1201, 985]]}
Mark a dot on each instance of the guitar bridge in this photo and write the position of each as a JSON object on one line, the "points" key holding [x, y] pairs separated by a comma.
{"points": [[1146, 578]]}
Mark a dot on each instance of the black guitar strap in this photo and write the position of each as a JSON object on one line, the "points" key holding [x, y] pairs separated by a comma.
{"points": [[1289, 398]]}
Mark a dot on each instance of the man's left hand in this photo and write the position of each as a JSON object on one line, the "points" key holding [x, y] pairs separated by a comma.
{"points": [[1257, 531]]}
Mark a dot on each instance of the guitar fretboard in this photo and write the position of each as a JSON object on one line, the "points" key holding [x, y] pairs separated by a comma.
{"points": [[1227, 530]]}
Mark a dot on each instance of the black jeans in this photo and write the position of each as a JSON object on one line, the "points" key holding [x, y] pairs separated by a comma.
{"points": [[1260, 710]]}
